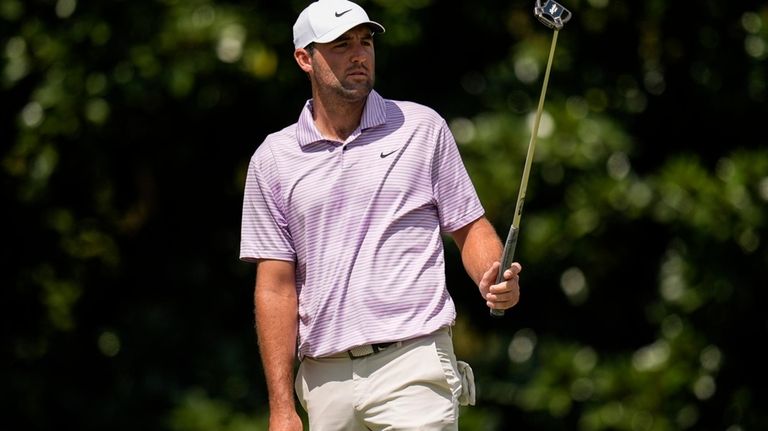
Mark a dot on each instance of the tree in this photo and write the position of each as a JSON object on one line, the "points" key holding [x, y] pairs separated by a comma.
{"points": [[127, 127]]}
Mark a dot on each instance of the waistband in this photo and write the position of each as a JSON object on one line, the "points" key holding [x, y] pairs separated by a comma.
{"points": [[370, 349], [365, 350]]}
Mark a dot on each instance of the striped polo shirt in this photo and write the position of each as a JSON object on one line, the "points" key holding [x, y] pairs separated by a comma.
{"points": [[362, 220]]}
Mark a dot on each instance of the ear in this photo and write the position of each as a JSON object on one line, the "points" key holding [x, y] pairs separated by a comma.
{"points": [[303, 59]]}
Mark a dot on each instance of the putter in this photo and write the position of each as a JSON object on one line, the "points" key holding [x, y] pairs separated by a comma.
{"points": [[554, 16]]}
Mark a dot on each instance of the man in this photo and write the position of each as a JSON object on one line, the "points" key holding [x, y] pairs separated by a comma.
{"points": [[343, 213]]}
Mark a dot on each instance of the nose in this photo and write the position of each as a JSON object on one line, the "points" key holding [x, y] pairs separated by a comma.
{"points": [[359, 54]]}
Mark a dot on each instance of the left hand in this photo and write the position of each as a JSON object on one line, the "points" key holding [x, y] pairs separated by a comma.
{"points": [[504, 295]]}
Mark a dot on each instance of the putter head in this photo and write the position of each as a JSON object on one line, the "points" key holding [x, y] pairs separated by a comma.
{"points": [[552, 14]]}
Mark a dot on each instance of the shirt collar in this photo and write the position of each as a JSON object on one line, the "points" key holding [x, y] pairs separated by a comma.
{"points": [[374, 114]]}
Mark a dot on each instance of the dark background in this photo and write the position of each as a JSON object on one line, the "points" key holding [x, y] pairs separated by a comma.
{"points": [[126, 129]]}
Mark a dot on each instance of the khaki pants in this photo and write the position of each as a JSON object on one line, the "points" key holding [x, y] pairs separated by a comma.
{"points": [[413, 385]]}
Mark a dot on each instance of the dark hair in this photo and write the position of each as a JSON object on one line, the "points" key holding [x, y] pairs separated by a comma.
{"points": [[310, 48]]}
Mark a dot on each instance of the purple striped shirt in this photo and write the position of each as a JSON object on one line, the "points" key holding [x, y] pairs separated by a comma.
{"points": [[362, 219]]}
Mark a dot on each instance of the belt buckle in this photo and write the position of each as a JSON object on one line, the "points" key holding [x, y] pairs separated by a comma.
{"points": [[360, 351], [367, 350]]}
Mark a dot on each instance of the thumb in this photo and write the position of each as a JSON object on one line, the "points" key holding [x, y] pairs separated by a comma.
{"points": [[489, 277]]}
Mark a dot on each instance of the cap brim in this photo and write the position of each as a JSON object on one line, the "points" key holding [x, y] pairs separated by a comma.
{"points": [[337, 32]]}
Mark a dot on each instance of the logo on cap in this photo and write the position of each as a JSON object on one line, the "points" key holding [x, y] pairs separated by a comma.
{"points": [[338, 14]]}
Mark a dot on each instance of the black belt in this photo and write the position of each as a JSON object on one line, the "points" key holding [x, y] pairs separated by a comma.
{"points": [[367, 350]]}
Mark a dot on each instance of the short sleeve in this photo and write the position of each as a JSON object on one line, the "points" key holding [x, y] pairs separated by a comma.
{"points": [[264, 230], [454, 193]]}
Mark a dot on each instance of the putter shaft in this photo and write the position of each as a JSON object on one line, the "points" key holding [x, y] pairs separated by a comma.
{"points": [[508, 254]]}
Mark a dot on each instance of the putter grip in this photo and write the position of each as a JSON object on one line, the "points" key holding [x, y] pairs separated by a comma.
{"points": [[507, 257]]}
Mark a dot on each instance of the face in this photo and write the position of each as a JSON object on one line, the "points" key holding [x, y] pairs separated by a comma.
{"points": [[344, 67]]}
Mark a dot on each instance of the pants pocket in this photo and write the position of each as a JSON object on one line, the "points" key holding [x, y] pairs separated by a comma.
{"points": [[444, 351]]}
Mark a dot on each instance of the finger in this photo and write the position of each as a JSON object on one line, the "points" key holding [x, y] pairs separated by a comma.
{"points": [[502, 289], [504, 305], [509, 284], [503, 300], [513, 270]]}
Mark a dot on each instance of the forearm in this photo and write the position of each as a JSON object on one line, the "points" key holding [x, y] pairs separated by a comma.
{"points": [[480, 247], [276, 312], [276, 330]]}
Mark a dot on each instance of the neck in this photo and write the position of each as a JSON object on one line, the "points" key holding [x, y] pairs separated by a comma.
{"points": [[335, 118]]}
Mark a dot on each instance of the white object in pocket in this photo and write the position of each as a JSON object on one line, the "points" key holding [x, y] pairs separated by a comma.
{"points": [[467, 396]]}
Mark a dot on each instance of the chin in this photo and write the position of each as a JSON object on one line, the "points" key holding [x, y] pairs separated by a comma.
{"points": [[358, 92]]}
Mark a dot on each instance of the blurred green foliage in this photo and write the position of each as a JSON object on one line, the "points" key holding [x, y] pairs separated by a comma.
{"points": [[126, 127]]}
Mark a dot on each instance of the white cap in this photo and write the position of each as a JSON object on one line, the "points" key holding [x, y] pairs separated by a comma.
{"points": [[324, 21]]}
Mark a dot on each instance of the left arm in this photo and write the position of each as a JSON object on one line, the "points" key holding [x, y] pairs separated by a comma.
{"points": [[481, 249]]}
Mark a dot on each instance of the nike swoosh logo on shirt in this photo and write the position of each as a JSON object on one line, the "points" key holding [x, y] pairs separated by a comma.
{"points": [[338, 14], [383, 154]]}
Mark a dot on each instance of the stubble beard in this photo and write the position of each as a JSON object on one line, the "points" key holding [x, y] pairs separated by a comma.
{"points": [[354, 91], [345, 90]]}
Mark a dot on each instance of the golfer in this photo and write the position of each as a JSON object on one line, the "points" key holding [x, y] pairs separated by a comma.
{"points": [[343, 214]]}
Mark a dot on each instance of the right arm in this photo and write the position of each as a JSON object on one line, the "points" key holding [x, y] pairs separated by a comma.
{"points": [[276, 311]]}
